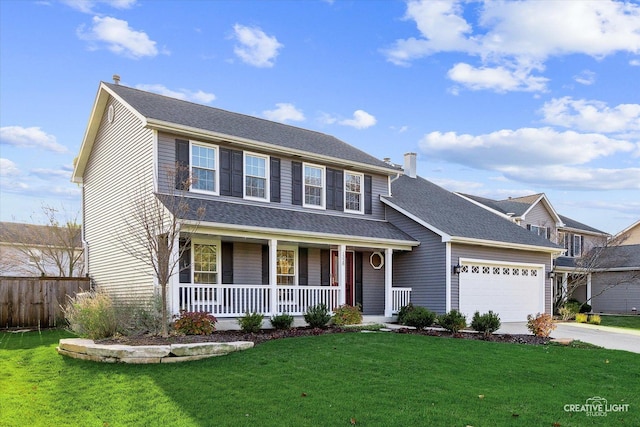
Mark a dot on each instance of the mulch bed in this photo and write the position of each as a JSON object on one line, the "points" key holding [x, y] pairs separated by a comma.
{"points": [[270, 334]]}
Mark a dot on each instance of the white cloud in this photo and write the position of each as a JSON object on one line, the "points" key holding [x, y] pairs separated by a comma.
{"points": [[48, 174], [327, 119], [8, 168], [361, 120], [566, 177], [519, 36], [184, 94], [498, 78], [635, 62], [457, 185], [119, 38], [87, 6], [590, 115], [585, 77], [255, 47], [32, 137], [284, 112]]}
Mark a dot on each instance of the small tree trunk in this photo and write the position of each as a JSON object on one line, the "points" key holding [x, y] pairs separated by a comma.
{"points": [[165, 314]]}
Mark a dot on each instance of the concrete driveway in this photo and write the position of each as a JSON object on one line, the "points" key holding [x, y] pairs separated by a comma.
{"points": [[603, 336]]}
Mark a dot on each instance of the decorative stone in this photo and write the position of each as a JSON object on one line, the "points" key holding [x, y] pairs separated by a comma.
{"points": [[187, 358], [76, 345], [122, 351], [195, 349], [140, 360]]}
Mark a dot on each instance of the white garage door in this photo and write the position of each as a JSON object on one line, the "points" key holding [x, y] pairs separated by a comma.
{"points": [[511, 290]]}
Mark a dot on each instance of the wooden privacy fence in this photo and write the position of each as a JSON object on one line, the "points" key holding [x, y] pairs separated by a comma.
{"points": [[35, 301]]}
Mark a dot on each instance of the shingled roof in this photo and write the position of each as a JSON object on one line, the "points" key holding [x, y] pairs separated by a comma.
{"points": [[455, 216], [30, 234], [176, 111]]}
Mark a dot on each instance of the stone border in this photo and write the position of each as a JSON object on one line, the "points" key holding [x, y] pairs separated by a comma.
{"points": [[85, 349]]}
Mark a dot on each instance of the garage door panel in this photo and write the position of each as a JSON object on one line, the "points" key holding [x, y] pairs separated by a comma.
{"points": [[512, 291]]}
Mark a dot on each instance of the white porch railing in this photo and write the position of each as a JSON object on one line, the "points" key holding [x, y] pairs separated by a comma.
{"points": [[399, 298], [236, 300]]}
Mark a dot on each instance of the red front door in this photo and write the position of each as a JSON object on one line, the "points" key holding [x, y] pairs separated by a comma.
{"points": [[349, 274]]}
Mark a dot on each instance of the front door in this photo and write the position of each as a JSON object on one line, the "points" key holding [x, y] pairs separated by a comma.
{"points": [[349, 274]]}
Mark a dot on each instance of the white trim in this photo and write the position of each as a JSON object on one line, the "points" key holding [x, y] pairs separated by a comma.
{"points": [[267, 178], [216, 170], [485, 207], [388, 282], [448, 277], [361, 194], [379, 254], [155, 161], [589, 289], [549, 208], [205, 242], [626, 230], [496, 244], [323, 193]]}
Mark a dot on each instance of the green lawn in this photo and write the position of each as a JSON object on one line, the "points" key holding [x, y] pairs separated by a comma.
{"points": [[621, 321], [378, 379]]}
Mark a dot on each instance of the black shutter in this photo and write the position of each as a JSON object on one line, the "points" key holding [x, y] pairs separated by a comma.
{"points": [[296, 183], [358, 274], [303, 266], [335, 189], [237, 184], [182, 164], [325, 267], [529, 227], [227, 263], [331, 189], [265, 264], [225, 172], [368, 195], [549, 233], [275, 179], [185, 262]]}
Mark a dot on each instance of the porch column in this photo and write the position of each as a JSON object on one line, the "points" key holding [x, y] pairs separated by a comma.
{"points": [[565, 284], [173, 290], [388, 282], [342, 275], [589, 290], [273, 275]]}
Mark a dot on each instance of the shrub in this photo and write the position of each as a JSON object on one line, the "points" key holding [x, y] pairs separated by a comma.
{"points": [[453, 321], [402, 314], [540, 325], [347, 315], [92, 315], [140, 317], [568, 312], [595, 319], [582, 317], [582, 307], [251, 322], [195, 323], [317, 316], [419, 317], [282, 321], [486, 323]]}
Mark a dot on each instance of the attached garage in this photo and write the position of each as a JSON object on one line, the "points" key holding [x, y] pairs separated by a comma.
{"points": [[511, 290]]}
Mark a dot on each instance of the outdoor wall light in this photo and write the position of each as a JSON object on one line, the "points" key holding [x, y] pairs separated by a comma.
{"points": [[551, 274], [456, 269]]}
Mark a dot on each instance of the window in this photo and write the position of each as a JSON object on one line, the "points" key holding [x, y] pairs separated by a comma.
{"points": [[314, 186], [572, 243], [286, 267], [203, 168], [353, 189], [205, 263], [540, 231], [255, 176], [577, 245]]}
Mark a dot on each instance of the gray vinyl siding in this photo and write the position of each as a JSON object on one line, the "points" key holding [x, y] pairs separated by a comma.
{"points": [[618, 294], [498, 254], [424, 268], [247, 264], [372, 287], [313, 259], [540, 216], [120, 166], [166, 162]]}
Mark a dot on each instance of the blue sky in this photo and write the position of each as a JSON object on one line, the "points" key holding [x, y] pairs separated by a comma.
{"points": [[497, 98]]}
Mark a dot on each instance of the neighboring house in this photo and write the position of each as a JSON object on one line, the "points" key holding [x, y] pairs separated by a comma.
{"points": [[615, 284], [292, 218], [35, 250], [630, 235]]}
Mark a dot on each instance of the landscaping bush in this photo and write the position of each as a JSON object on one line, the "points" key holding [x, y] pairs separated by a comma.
{"points": [[582, 317], [486, 323], [347, 315], [404, 310], [91, 315], [453, 321], [419, 318], [251, 322], [569, 310], [582, 307], [282, 321], [195, 323], [140, 317], [540, 325], [595, 319], [317, 316]]}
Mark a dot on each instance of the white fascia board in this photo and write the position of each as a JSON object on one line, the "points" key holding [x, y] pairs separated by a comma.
{"points": [[581, 231], [549, 207], [303, 236], [626, 230], [253, 144], [505, 245], [445, 237], [485, 207], [499, 262]]}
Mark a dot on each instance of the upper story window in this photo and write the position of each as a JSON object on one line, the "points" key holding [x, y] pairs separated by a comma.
{"points": [[286, 266], [205, 263], [353, 192], [314, 186], [573, 243], [256, 172], [203, 168], [540, 231]]}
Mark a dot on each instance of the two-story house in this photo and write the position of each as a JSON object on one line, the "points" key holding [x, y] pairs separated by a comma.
{"points": [[282, 218]]}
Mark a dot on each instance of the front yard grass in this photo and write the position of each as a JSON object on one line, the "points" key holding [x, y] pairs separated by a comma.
{"points": [[632, 322], [370, 379]]}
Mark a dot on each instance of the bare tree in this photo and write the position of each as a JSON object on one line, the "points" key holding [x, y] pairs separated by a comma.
{"points": [[155, 229], [51, 249]]}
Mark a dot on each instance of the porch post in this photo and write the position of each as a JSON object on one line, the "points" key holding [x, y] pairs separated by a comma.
{"points": [[589, 290], [342, 275], [173, 292], [273, 275], [565, 284], [388, 282]]}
